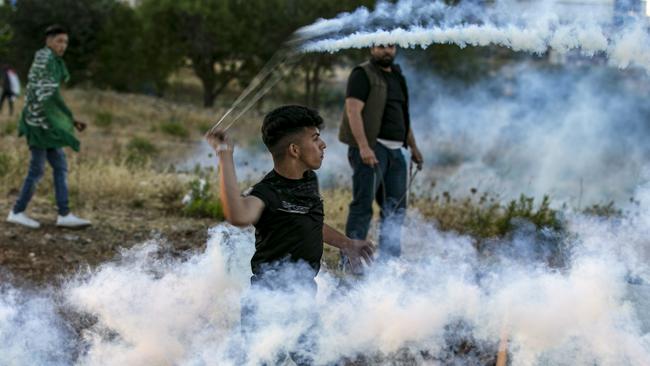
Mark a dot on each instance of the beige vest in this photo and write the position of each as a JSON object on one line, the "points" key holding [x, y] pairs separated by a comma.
{"points": [[373, 110]]}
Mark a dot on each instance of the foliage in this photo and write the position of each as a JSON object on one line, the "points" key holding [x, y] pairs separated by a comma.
{"points": [[119, 63], [225, 43], [6, 32], [174, 128], [485, 216], [140, 151], [84, 19], [201, 202]]}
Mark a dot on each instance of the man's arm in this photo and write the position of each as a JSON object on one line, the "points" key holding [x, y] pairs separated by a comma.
{"points": [[354, 249], [353, 108], [416, 155], [239, 211]]}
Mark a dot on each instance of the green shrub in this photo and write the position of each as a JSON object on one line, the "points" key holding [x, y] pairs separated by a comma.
{"points": [[200, 202], [140, 151], [484, 216], [524, 208], [103, 119], [174, 128]]}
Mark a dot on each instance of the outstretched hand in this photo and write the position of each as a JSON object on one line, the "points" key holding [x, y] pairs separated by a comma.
{"points": [[219, 141], [358, 251], [80, 126]]}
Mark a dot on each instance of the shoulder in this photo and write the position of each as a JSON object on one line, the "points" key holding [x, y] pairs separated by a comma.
{"points": [[264, 189], [359, 75], [44, 53]]}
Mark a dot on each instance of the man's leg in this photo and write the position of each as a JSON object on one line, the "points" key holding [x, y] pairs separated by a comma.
{"points": [[2, 100], [34, 174], [364, 186], [393, 207], [11, 105], [56, 158]]}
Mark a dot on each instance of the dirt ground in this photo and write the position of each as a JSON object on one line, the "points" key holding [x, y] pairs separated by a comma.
{"points": [[47, 256]]}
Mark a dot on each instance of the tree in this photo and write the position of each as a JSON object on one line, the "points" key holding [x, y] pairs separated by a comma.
{"points": [[126, 60], [205, 33], [6, 33], [84, 19]]}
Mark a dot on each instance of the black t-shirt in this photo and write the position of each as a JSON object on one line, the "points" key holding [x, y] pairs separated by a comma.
{"points": [[393, 124], [291, 225]]}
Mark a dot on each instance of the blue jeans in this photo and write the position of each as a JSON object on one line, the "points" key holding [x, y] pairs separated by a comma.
{"points": [[386, 183], [56, 158]]}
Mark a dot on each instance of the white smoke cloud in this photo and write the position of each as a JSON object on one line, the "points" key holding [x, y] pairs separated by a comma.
{"points": [[521, 26], [149, 309], [574, 133], [31, 330]]}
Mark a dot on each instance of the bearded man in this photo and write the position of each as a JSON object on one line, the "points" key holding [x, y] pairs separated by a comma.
{"points": [[376, 126]]}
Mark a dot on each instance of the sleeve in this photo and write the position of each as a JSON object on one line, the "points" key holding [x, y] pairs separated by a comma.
{"points": [[358, 85], [263, 192]]}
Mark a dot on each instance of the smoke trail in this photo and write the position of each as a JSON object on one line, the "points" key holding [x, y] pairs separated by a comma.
{"points": [[521, 27]]}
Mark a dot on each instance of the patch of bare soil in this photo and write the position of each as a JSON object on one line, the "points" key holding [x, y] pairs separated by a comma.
{"points": [[48, 255]]}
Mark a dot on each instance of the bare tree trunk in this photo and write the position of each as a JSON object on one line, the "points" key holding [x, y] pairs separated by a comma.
{"points": [[316, 86]]}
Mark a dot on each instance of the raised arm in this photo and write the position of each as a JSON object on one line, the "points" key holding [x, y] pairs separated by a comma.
{"points": [[239, 211]]}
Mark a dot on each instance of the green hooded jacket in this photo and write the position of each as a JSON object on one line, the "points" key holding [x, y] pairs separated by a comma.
{"points": [[46, 121]]}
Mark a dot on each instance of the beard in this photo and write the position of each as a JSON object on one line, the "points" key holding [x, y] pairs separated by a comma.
{"points": [[386, 61]]}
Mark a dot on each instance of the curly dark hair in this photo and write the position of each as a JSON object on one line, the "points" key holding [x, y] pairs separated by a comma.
{"points": [[284, 122]]}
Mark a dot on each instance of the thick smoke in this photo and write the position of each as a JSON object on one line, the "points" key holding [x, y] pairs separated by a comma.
{"points": [[443, 301], [521, 26], [32, 331], [576, 133]]}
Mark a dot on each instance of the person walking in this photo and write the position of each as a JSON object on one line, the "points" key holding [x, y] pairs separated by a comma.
{"points": [[10, 88], [48, 125], [376, 127]]}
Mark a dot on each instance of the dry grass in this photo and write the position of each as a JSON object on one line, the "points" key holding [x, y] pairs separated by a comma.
{"points": [[121, 127]]}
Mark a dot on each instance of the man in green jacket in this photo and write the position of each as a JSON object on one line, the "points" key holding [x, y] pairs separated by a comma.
{"points": [[48, 126]]}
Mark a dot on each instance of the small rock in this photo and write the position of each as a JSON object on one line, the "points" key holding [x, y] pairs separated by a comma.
{"points": [[70, 237], [32, 254], [47, 237]]}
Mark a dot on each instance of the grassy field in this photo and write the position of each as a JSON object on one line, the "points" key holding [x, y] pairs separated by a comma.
{"points": [[124, 179]]}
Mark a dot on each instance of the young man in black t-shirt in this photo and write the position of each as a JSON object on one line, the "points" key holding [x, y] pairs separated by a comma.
{"points": [[285, 206], [287, 211]]}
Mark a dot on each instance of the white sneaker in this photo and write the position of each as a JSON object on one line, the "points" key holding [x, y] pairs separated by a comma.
{"points": [[22, 219], [71, 221]]}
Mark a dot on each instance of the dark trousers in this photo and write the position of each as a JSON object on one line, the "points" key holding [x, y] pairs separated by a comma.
{"points": [[385, 183], [10, 98], [56, 158]]}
